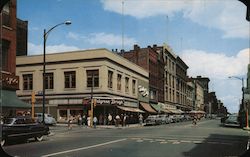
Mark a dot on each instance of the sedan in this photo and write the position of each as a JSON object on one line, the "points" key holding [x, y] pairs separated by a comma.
{"points": [[22, 128]]}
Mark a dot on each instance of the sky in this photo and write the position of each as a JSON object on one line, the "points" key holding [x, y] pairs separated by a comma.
{"points": [[211, 36]]}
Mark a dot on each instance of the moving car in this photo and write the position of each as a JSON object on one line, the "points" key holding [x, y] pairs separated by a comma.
{"points": [[232, 120], [22, 128], [48, 119]]}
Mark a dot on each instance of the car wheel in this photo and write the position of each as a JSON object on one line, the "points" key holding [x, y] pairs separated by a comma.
{"points": [[2, 142], [39, 138]]}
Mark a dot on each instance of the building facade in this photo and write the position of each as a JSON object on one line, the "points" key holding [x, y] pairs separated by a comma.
{"points": [[116, 84], [11, 105]]}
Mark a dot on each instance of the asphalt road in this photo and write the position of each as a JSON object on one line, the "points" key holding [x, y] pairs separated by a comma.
{"points": [[207, 139]]}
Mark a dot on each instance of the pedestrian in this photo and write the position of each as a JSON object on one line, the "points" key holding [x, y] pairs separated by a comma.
{"points": [[117, 119], [100, 119], [140, 119], [88, 121], [95, 121], [70, 121], [109, 119], [194, 122], [83, 119], [79, 120], [124, 120]]}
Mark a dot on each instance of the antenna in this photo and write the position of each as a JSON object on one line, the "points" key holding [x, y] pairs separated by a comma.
{"points": [[123, 25], [167, 28]]}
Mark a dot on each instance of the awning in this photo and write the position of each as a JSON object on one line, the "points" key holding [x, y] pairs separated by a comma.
{"points": [[130, 109], [156, 107], [147, 107], [10, 100]]}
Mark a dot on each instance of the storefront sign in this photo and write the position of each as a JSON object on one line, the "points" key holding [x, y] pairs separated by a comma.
{"points": [[9, 80], [143, 91], [100, 101]]}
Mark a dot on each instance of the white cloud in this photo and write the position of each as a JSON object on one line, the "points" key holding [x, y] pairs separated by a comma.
{"points": [[74, 36], [38, 49], [216, 65], [227, 16], [109, 39]]}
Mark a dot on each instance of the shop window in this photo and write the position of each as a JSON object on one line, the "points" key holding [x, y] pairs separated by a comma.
{"points": [[27, 82], [5, 50], [95, 75], [119, 80], [110, 79], [49, 81], [126, 84], [62, 114], [133, 86], [70, 79]]}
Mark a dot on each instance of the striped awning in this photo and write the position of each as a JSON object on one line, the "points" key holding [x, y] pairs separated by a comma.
{"points": [[147, 107]]}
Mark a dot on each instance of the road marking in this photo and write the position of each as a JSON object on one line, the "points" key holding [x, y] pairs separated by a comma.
{"points": [[185, 141], [139, 141], [160, 140], [197, 142], [83, 148], [176, 142], [163, 142]]}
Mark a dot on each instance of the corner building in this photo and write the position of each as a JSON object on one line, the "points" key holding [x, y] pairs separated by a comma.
{"points": [[69, 82]]}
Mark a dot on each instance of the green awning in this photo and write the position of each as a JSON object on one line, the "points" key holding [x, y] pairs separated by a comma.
{"points": [[156, 107], [10, 100]]}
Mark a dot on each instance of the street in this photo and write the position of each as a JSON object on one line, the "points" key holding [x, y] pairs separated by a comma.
{"points": [[207, 139]]}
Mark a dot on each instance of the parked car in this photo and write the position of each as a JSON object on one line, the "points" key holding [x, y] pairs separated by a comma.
{"points": [[165, 119], [151, 120], [22, 128], [48, 119], [232, 120]]}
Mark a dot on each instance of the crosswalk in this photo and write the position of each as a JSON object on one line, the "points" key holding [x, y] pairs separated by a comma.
{"points": [[183, 141]]}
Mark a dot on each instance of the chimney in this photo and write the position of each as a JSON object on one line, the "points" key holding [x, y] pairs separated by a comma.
{"points": [[136, 47]]}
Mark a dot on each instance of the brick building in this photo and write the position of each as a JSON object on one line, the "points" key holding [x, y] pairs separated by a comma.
{"points": [[11, 105]]}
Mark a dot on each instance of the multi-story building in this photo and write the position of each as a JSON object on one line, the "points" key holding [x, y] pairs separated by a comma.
{"points": [[181, 84], [167, 75], [191, 95], [205, 83], [72, 78], [11, 105], [151, 60]]}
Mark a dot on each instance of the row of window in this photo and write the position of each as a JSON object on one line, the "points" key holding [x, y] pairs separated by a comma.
{"points": [[70, 80]]}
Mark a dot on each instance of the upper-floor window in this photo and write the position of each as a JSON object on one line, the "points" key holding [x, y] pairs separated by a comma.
{"points": [[110, 79], [133, 86], [6, 7], [126, 84], [119, 82], [49, 81], [70, 79], [27, 81], [93, 78], [5, 52]]}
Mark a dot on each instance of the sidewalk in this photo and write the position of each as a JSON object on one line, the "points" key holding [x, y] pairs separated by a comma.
{"points": [[60, 125]]}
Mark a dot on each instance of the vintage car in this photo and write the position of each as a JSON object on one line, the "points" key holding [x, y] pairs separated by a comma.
{"points": [[48, 119], [151, 120], [22, 128]]}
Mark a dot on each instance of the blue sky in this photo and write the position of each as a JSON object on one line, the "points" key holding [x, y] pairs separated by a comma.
{"points": [[212, 37]]}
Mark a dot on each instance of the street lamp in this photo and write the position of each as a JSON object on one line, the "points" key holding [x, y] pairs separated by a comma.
{"points": [[45, 36], [242, 102]]}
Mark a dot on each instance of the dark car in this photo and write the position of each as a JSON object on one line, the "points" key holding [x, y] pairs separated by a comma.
{"points": [[22, 128], [232, 120]]}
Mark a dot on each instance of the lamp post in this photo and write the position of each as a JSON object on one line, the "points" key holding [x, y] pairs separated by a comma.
{"points": [[45, 36], [242, 101]]}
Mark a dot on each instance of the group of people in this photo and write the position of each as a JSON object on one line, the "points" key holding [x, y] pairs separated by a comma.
{"points": [[116, 119]]}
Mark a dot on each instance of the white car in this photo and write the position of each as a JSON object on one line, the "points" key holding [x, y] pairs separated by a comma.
{"points": [[48, 119]]}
